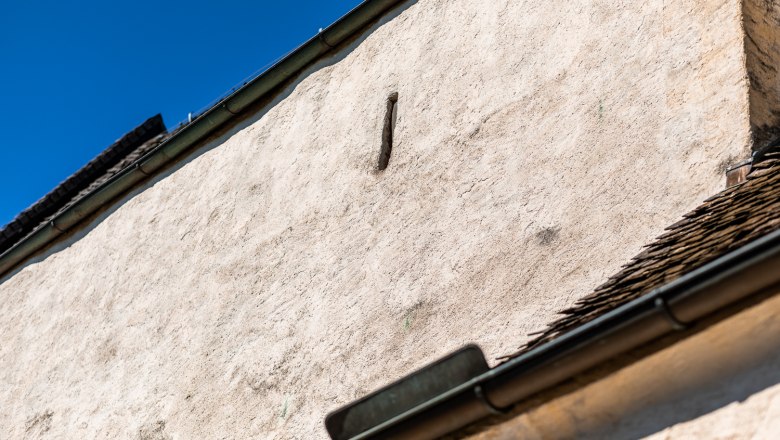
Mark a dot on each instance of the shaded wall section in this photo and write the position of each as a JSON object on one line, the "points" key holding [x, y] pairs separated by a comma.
{"points": [[721, 383], [762, 52]]}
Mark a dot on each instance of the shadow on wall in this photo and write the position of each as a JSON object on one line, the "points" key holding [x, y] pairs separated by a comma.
{"points": [[704, 386], [253, 114], [696, 380], [762, 56]]}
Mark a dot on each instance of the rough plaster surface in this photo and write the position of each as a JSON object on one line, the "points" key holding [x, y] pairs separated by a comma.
{"points": [[762, 52], [276, 275], [723, 383]]}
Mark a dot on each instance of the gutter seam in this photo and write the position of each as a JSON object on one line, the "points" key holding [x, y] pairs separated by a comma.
{"points": [[696, 286], [321, 36], [479, 392], [666, 311], [139, 167], [54, 226], [227, 108]]}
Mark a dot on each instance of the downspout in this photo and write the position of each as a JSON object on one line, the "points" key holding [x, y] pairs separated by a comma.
{"points": [[200, 128], [673, 307]]}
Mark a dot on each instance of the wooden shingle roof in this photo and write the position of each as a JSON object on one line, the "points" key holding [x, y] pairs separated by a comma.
{"points": [[723, 223]]}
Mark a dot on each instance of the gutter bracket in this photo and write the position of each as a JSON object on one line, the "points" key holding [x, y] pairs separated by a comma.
{"points": [[662, 306], [479, 392]]}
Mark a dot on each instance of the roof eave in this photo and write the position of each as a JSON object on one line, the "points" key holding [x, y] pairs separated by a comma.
{"points": [[209, 122], [745, 272]]}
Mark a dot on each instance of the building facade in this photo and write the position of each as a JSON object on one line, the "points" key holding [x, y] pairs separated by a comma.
{"points": [[273, 272]]}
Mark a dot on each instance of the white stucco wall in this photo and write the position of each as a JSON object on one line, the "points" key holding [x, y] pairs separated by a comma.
{"points": [[275, 275], [722, 383]]}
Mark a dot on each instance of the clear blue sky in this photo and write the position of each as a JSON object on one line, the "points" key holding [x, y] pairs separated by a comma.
{"points": [[75, 76]]}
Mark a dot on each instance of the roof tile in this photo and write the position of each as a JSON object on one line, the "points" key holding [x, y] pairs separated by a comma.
{"points": [[107, 164], [723, 223]]}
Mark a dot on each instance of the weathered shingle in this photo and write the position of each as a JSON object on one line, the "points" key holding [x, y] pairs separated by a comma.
{"points": [[108, 163], [723, 223]]}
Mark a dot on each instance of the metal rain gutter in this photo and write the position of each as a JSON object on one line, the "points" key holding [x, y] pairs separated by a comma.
{"points": [[673, 307], [204, 125]]}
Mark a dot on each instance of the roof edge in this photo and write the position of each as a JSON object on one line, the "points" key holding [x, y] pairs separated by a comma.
{"points": [[48, 205], [216, 117], [671, 308]]}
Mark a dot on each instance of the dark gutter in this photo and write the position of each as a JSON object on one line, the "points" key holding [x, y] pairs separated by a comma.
{"points": [[670, 308], [183, 141], [57, 198]]}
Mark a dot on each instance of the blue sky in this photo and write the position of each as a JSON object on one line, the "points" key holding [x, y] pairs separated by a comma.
{"points": [[75, 76]]}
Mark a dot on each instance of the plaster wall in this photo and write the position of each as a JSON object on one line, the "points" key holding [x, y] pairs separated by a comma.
{"points": [[723, 383], [276, 275], [762, 52]]}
